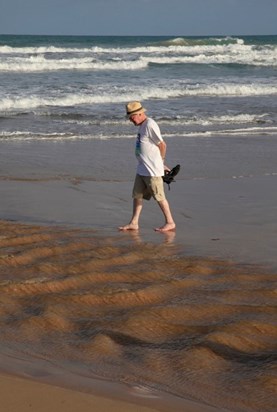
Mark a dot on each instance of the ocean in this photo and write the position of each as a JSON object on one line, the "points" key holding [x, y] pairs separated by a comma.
{"points": [[219, 89], [191, 315]]}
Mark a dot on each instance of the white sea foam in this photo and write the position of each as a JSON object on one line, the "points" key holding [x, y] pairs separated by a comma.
{"points": [[34, 101], [216, 120], [26, 135], [42, 64], [177, 44], [31, 136], [247, 131], [230, 89], [33, 59]]}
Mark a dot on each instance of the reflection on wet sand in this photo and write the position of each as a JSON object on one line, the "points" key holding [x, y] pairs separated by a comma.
{"points": [[135, 235], [140, 313]]}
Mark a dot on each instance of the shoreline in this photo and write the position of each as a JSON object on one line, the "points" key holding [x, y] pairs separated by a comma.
{"points": [[39, 396]]}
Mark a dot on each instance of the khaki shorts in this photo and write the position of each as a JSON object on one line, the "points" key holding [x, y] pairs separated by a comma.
{"points": [[146, 187]]}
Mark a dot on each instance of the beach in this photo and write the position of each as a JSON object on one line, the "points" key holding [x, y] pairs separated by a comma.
{"points": [[46, 385], [82, 302], [93, 318]]}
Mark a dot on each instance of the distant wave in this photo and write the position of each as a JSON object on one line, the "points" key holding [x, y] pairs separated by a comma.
{"points": [[41, 64], [33, 102], [177, 51], [209, 41], [230, 89], [179, 41], [221, 89], [31, 50]]}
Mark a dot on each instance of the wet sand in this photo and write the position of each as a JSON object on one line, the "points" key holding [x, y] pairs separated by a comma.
{"points": [[38, 396], [136, 317], [226, 218], [24, 395], [30, 256]]}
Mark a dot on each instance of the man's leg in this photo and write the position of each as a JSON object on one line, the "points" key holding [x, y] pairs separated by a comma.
{"points": [[134, 222], [169, 222], [157, 189]]}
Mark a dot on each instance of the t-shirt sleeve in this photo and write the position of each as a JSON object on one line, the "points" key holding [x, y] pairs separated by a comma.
{"points": [[154, 132]]}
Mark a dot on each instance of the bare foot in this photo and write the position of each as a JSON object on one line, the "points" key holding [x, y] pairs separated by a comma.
{"points": [[130, 226], [166, 227]]}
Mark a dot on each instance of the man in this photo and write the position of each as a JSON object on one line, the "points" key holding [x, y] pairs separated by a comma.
{"points": [[150, 153]]}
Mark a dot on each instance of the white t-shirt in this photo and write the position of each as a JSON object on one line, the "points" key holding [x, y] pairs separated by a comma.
{"points": [[150, 162]]}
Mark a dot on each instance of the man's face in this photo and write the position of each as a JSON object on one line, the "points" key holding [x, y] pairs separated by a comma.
{"points": [[137, 118]]}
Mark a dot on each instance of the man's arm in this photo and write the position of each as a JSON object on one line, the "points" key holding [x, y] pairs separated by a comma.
{"points": [[162, 147]]}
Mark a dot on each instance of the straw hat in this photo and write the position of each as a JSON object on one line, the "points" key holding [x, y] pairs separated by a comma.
{"points": [[134, 108]]}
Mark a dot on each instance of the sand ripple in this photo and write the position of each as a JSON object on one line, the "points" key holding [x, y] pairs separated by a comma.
{"points": [[142, 314]]}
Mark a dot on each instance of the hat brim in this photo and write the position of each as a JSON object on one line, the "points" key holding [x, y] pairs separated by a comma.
{"points": [[137, 111]]}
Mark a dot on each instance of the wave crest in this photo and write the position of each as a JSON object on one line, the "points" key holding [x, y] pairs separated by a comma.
{"points": [[208, 41]]}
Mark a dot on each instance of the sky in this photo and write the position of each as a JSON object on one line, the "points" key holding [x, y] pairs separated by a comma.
{"points": [[139, 17]]}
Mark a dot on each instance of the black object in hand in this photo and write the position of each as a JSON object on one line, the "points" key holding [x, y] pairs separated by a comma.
{"points": [[169, 175]]}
